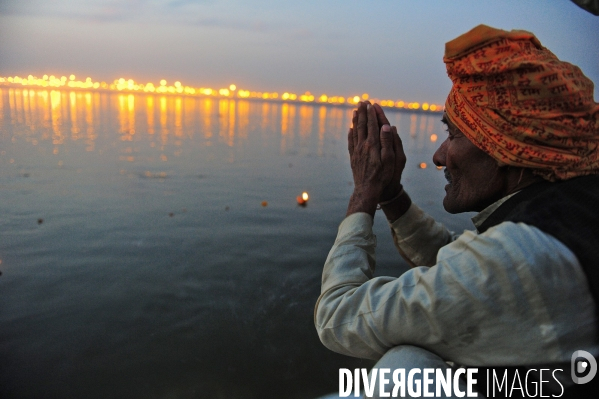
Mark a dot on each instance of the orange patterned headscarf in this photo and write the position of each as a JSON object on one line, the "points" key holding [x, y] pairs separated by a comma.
{"points": [[515, 100]]}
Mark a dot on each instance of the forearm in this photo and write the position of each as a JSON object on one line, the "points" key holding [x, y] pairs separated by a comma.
{"points": [[354, 311], [361, 316], [349, 265], [418, 237]]}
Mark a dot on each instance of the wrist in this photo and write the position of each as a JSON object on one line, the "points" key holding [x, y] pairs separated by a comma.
{"points": [[396, 207], [361, 203], [400, 192]]}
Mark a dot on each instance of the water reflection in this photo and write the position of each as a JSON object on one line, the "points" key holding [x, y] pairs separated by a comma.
{"points": [[303, 129], [150, 114], [159, 262], [170, 124]]}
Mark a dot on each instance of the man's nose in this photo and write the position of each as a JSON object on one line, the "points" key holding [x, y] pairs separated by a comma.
{"points": [[439, 156]]}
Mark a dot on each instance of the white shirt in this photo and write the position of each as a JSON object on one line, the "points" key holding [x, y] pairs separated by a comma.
{"points": [[510, 296]]}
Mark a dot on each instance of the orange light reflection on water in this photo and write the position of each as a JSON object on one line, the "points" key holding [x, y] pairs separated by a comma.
{"points": [[178, 88], [322, 117], [53, 118]]}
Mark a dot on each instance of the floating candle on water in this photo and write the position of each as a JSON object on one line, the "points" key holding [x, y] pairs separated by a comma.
{"points": [[422, 165], [303, 199]]}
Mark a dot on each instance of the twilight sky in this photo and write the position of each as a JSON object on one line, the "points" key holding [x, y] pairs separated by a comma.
{"points": [[389, 49]]}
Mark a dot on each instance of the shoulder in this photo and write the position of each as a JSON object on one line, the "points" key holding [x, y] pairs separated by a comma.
{"points": [[513, 251], [520, 239]]}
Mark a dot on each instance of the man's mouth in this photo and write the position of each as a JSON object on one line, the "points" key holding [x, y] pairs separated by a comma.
{"points": [[447, 176]]}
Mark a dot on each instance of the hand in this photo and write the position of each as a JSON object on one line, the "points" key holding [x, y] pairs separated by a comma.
{"points": [[372, 159], [394, 187]]}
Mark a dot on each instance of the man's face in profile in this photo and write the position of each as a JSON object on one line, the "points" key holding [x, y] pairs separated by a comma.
{"points": [[474, 179]]}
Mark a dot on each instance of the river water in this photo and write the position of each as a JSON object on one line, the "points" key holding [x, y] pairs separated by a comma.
{"points": [[152, 247]]}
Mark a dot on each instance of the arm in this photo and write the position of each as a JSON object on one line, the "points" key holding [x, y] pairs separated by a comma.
{"points": [[492, 299], [418, 237]]}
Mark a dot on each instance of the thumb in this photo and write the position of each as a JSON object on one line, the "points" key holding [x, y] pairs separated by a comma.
{"points": [[400, 156]]}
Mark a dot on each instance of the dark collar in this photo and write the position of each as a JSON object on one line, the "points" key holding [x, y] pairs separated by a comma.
{"points": [[503, 211]]}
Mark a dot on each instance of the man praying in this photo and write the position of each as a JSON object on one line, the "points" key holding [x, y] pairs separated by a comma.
{"points": [[519, 293]]}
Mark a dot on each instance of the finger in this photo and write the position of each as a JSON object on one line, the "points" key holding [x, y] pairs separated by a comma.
{"points": [[373, 127], [387, 152], [380, 115], [386, 135], [354, 128], [350, 142], [400, 156], [362, 123]]}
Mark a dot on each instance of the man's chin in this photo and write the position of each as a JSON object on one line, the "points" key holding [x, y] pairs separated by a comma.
{"points": [[450, 204], [449, 208]]}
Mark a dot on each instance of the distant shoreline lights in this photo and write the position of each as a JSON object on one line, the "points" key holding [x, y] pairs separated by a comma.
{"points": [[163, 88]]}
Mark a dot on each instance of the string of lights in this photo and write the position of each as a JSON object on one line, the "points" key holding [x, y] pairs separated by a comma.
{"points": [[177, 88]]}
